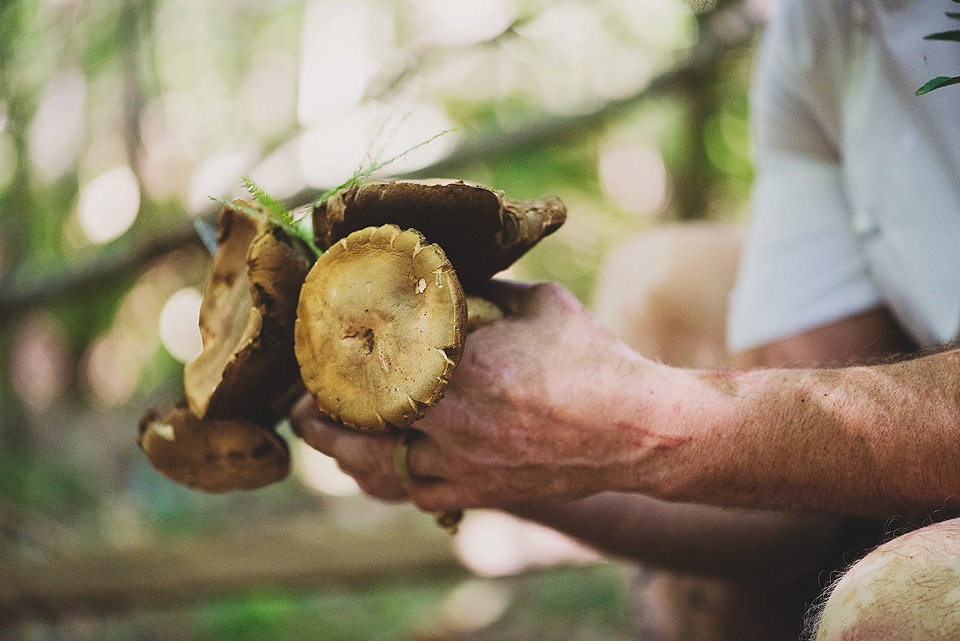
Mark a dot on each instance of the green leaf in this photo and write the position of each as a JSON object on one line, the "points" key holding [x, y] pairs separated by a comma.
{"points": [[953, 36], [953, 14], [936, 83]]}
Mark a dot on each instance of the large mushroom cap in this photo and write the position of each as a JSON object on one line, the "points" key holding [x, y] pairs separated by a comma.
{"points": [[481, 231], [213, 455], [380, 327], [246, 319]]}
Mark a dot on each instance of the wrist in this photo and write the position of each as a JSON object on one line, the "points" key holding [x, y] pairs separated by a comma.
{"points": [[662, 420]]}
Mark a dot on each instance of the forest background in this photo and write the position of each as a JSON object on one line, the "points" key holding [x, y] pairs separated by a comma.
{"points": [[119, 121]]}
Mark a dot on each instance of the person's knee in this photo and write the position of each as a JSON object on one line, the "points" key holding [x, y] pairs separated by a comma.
{"points": [[907, 589]]}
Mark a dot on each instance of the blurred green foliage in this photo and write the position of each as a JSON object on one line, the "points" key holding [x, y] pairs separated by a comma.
{"points": [[190, 96]]}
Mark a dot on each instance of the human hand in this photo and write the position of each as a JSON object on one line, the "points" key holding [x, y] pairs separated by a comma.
{"points": [[532, 412]]}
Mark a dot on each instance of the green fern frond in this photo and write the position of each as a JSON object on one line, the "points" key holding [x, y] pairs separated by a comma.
{"points": [[267, 202], [365, 173], [287, 223], [276, 213]]}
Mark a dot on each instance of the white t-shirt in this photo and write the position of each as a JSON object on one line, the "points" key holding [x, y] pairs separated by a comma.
{"points": [[857, 195]]}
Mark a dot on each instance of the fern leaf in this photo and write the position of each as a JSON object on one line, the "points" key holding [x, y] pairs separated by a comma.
{"points": [[272, 205]]}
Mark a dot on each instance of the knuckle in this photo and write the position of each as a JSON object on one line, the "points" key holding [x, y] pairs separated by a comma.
{"points": [[424, 502]]}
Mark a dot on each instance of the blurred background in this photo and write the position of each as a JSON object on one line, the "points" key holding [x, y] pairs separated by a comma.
{"points": [[118, 121]]}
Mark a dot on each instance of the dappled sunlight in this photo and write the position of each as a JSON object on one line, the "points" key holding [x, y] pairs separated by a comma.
{"points": [[474, 604], [341, 44], [56, 132], [120, 121], [633, 177], [329, 154], [444, 23], [578, 67], [111, 370], [279, 174], [40, 365], [109, 205], [218, 175], [406, 131], [320, 473], [179, 324], [164, 162], [269, 94], [496, 544]]}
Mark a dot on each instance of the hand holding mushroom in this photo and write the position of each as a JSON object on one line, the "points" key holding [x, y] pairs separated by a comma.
{"points": [[381, 318], [514, 423]]}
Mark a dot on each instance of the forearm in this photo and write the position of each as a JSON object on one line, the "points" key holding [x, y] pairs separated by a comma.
{"points": [[872, 441], [727, 542]]}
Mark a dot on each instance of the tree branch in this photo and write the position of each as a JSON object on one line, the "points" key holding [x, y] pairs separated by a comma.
{"points": [[17, 295]]}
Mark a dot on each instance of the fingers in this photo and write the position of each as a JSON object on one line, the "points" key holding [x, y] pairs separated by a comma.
{"points": [[370, 458], [364, 456]]}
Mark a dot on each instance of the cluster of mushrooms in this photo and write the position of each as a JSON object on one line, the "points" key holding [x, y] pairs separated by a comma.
{"points": [[373, 328]]}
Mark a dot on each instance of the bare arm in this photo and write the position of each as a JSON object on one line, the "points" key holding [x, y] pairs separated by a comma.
{"points": [[872, 441], [767, 545], [547, 405]]}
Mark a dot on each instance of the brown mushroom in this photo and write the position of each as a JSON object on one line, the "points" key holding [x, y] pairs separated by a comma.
{"points": [[481, 231], [212, 455], [380, 327], [246, 319]]}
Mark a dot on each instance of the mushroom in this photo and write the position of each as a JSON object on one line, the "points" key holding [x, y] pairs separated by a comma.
{"points": [[212, 455], [246, 319], [380, 327], [481, 231]]}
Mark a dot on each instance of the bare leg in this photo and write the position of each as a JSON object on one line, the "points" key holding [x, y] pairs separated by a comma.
{"points": [[906, 590]]}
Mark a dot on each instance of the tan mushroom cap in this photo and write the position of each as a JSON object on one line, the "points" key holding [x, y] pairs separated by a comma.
{"points": [[246, 320], [380, 328], [213, 455], [481, 231]]}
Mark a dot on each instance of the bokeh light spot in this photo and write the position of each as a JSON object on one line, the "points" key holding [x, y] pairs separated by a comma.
{"points": [[112, 369], [320, 472], [180, 324], [109, 205], [56, 132], [39, 364], [497, 544], [633, 177]]}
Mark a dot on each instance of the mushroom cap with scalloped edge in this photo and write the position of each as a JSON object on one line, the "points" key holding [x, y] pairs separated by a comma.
{"points": [[481, 231], [246, 319], [212, 455], [380, 327]]}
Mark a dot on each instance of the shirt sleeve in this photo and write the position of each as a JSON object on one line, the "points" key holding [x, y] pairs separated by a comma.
{"points": [[802, 265]]}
